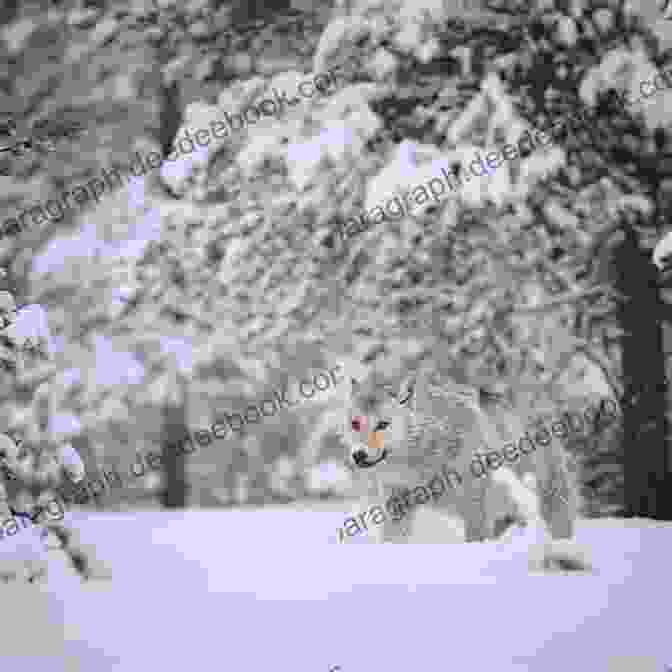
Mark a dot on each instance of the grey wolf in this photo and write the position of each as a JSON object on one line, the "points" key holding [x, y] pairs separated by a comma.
{"points": [[425, 428]]}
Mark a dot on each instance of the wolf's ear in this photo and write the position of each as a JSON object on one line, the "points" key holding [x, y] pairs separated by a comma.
{"points": [[414, 392], [407, 391]]}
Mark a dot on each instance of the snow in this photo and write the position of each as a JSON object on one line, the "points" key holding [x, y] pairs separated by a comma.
{"points": [[114, 367], [32, 324], [265, 590], [662, 251]]}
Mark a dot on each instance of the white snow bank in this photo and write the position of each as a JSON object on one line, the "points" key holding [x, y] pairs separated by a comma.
{"points": [[262, 590]]}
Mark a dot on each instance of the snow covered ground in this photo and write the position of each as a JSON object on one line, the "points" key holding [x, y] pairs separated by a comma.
{"points": [[265, 590]]}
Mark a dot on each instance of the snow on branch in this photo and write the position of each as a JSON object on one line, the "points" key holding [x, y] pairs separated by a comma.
{"points": [[564, 300]]}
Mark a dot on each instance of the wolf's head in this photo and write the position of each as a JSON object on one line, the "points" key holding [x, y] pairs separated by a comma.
{"points": [[413, 424], [375, 420]]}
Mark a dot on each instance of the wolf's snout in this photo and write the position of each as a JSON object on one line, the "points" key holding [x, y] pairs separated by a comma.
{"points": [[376, 441], [363, 461]]}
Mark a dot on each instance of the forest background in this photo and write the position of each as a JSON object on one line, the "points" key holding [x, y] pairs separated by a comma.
{"points": [[199, 289]]}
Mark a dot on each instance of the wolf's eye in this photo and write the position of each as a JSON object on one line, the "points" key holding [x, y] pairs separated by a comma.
{"points": [[383, 424]]}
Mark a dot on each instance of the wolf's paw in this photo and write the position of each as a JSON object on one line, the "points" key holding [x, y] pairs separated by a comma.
{"points": [[560, 555]]}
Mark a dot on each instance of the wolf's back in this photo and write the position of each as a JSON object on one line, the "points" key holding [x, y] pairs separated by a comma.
{"points": [[447, 426]]}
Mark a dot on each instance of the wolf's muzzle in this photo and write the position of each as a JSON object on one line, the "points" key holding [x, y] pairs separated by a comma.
{"points": [[361, 459], [376, 445]]}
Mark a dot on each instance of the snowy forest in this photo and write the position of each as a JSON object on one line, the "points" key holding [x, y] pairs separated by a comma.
{"points": [[208, 283]]}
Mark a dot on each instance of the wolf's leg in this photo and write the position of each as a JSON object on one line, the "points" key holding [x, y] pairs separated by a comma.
{"points": [[387, 531], [523, 506], [556, 489], [391, 531], [509, 503]]}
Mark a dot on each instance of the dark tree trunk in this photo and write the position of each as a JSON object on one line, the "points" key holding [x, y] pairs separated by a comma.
{"points": [[9, 10], [246, 11], [169, 116], [648, 491], [174, 494]]}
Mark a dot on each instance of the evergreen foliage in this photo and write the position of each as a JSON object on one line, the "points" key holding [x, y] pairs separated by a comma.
{"points": [[508, 280]]}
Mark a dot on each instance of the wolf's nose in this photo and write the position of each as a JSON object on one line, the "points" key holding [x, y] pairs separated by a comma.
{"points": [[359, 456]]}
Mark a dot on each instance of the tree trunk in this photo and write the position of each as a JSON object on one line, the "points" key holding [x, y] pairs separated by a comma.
{"points": [[648, 491], [9, 10], [169, 116], [174, 495], [247, 11]]}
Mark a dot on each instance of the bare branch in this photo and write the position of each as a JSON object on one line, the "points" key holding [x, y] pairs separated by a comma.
{"points": [[563, 300]]}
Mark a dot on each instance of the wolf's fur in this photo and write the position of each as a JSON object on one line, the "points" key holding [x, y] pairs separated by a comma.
{"points": [[447, 425]]}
